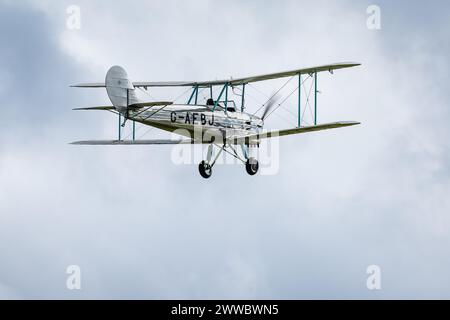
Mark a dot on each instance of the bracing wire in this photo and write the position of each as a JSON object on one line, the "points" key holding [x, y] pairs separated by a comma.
{"points": [[287, 97], [151, 128], [278, 91]]}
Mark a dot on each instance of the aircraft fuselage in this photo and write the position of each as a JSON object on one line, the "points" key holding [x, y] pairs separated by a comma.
{"points": [[187, 119]]}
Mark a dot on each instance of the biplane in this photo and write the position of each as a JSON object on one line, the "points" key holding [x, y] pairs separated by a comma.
{"points": [[218, 122]]}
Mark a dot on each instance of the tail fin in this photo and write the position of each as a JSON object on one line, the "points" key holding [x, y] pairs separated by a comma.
{"points": [[120, 89]]}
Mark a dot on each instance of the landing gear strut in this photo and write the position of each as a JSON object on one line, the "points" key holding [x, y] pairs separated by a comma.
{"points": [[205, 167], [252, 166]]}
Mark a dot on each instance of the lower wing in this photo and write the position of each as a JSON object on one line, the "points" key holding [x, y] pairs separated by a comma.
{"points": [[248, 139], [286, 132], [132, 142]]}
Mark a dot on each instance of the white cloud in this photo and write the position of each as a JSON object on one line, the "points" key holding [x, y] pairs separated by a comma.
{"points": [[141, 227]]}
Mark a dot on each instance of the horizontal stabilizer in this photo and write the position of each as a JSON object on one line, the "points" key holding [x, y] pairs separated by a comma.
{"points": [[133, 106], [104, 108]]}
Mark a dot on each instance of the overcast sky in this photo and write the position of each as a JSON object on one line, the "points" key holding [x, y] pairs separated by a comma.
{"points": [[140, 226]]}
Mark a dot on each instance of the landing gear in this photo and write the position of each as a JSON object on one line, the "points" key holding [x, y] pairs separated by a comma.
{"points": [[252, 166], [205, 169]]}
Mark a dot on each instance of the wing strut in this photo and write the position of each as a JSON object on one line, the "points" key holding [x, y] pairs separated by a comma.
{"points": [[122, 125], [299, 100], [225, 88], [301, 84], [194, 93], [315, 98]]}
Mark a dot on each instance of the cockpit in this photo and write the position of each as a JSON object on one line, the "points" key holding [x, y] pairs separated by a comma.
{"points": [[210, 102]]}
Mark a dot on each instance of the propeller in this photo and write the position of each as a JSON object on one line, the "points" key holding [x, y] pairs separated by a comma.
{"points": [[269, 107]]}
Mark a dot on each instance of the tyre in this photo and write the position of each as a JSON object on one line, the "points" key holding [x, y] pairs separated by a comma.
{"points": [[252, 166], [205, 170]]}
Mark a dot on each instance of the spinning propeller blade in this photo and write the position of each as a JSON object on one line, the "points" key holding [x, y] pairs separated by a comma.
{"points": [[269, 107]]}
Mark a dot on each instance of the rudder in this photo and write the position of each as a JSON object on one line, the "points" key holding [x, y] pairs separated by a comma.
{"points": [[120, 89]]}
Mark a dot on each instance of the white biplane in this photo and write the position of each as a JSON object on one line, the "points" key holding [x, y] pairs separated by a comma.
{"points": [[218, 123]]}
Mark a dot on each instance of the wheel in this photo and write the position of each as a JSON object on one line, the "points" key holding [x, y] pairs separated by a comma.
{"points": [[205, 170], [252, 166]]}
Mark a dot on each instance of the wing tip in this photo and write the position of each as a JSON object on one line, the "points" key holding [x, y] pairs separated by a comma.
{"points": [[351, 63], [351, 123]]}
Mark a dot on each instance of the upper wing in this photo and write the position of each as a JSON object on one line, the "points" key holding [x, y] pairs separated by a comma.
{"points": [[279, 133], [232, 82], [271, 76], [133, 142], [150, 104], [140, 84]]}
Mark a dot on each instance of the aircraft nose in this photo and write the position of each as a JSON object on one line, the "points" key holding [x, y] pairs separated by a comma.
{"points": [[259, 122]]}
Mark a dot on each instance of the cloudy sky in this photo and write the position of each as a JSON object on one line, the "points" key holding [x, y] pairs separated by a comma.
{"points": [[140, 226]]}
